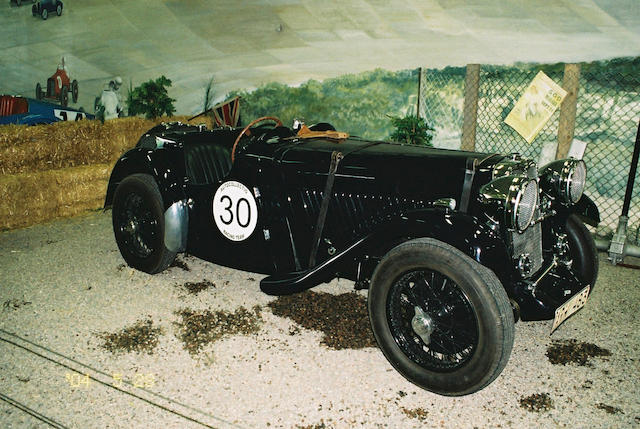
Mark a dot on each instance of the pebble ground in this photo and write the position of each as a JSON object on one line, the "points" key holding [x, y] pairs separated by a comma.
{"points": [[65, 287]]}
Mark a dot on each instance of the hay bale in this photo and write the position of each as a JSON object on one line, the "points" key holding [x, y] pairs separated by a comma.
{"points": [[71, 144], [62, 169], [31, 198]]}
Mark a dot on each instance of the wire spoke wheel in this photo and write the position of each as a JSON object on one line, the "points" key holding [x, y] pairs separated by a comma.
{"points": [[138, 224], [440, 318], [454, 334]]}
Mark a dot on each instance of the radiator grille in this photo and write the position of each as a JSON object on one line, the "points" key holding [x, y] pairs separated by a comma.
{"points": [[529, 242]]}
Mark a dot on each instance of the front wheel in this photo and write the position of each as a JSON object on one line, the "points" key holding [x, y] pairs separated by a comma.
{"points": [[64, 95], [44, 14], [59, 9], [138, 224], [441, 319]]}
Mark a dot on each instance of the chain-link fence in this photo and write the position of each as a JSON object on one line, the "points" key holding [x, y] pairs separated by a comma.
{"points": [[499, 89], [441, 102], [606, 119]]}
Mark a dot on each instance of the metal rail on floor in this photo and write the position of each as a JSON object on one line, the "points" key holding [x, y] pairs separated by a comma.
{"points": [[19, 405], [154, 399]]}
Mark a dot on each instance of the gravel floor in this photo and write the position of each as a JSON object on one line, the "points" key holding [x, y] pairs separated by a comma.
{"points": [[65, 287]]}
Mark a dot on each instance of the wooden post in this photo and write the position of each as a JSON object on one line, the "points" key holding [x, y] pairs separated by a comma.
{"points": [[567, 122], [470, 113], [419, 92]]}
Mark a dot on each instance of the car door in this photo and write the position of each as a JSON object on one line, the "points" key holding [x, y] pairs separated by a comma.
{"points": [[237, 219]]}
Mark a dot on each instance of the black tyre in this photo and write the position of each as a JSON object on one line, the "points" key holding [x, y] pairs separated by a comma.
{"points": [[441, 319], [59, 9], [64, 95], [74, 91], [583, 252], [38, 91], [44, 13], [138, 224], [51, 87]]}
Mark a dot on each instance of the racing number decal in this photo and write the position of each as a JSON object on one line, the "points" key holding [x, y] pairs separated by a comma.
{"points": [[235, 211], [67, 115]]}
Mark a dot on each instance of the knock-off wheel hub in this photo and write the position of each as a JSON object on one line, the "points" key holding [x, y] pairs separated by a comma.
{"points": [[422, 325]]}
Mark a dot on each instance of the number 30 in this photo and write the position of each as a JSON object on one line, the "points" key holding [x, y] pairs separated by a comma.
{"points": [[228, 209], [235, 211]]}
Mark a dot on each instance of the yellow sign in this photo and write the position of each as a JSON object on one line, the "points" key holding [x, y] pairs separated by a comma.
{"points": [[532, 111]]}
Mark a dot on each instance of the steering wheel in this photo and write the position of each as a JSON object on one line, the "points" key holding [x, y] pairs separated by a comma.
{"points": [[247, 131]]}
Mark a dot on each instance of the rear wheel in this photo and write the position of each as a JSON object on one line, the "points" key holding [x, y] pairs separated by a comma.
{"points": [[441, 319], [74, 91], [59, 9], [138, 224]]}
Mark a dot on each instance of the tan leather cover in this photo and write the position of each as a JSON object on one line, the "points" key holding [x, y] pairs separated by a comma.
{"points": [[306, 133]]}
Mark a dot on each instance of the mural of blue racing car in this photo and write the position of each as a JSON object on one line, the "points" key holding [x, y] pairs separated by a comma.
{"points": [[23, 110]]}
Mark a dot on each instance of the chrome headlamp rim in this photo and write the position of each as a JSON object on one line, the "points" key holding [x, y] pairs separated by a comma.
{"points": [[564, 180], [575, 180], [503, 199], [522, 188]]}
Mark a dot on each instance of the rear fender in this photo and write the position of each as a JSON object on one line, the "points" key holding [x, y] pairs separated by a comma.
{"points": [[170, 180], [168, 174]]}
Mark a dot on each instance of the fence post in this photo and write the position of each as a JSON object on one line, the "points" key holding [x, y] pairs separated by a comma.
{"points": [[470, 112], [420, 104], [567, 122]]}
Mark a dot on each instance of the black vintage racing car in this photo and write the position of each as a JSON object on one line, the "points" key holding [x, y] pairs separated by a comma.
{"points": [[43, 7], [453, 246]]}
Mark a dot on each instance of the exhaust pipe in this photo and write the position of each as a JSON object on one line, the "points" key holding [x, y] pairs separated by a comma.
{"points": [[627, 249]]}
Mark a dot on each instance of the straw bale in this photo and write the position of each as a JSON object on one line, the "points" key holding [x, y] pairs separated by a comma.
{"points": [[31, 198], [71, 144], [62, 169]]}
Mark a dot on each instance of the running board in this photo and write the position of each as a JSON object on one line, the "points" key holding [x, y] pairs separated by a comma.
{"points": [[298, 281]]}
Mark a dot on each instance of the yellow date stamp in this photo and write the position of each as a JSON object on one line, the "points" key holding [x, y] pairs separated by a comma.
{"points": [[139, 380], [78, 380], [118, 380]]}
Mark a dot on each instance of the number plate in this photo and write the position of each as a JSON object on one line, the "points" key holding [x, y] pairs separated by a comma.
{"points": [[571, 306]]}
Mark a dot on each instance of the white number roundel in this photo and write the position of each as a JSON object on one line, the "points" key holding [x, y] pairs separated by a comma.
{"points": [[235, 211]]}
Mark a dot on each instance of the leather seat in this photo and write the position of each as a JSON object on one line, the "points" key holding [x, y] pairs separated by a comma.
{"points": [[207, 163]]}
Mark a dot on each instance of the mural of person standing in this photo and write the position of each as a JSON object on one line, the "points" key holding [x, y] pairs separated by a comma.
{"points": [[109, 104]]}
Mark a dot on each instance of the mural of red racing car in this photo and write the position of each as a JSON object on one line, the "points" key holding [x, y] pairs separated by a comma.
{"points": [[58, 87]]}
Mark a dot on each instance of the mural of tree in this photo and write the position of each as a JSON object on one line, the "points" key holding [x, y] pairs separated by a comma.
{"points": [[151, 99]]}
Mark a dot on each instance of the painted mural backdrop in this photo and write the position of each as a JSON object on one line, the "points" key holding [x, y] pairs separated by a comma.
{"points": [[358, 104], [361, 104]]}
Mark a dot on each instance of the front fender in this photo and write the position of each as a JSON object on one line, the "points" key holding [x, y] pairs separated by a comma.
{"points": [[587, 210], [457, 229], [460, 230], [162, 164]]}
